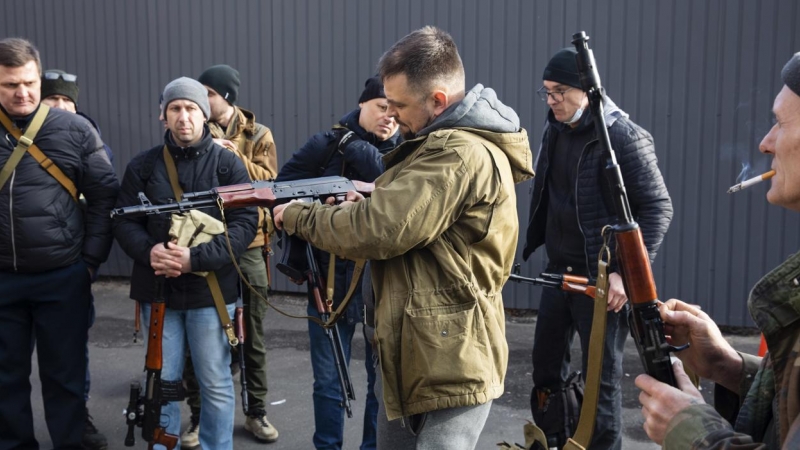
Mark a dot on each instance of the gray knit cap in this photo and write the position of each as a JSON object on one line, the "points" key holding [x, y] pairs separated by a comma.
{"points": [[791, 73], [185, 88]]}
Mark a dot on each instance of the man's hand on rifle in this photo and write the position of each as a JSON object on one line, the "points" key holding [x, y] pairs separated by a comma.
{"points": [[662, 402], [172, 261], [277, 214], [709, 355], [349, 198], [616, 293]]}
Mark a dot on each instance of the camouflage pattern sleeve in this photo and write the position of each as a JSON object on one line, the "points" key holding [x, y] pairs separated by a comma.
{"points": [[701, 427]]}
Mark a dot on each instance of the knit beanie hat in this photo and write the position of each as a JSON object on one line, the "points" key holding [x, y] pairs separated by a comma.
{"points": [[563, 68], [53, 83], [224, 79], [791, 73], [373, 88], [185, 88]]}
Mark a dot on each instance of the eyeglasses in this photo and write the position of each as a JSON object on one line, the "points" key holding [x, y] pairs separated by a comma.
{"points": [[558, 96], [68, 77]]}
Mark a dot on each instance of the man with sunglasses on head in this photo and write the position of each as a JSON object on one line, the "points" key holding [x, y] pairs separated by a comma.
{"points": [[570, 205], [60, 91], [50, 249]]}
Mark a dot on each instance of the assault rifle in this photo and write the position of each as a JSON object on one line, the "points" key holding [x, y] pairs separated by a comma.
{"points": [[157, 391], [565, 282], [266, 194], [645, 322]]}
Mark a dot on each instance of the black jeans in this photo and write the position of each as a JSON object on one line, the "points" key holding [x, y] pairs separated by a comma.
{"points": [[52, 308], [560, 315]]}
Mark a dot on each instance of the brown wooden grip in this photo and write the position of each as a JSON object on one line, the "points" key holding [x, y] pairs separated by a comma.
{"points": [[634, 263], [244, 195], [153, 360], [160, 436]]}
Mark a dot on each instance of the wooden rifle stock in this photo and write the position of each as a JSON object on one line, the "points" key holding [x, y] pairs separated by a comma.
{"points": [[564, 282]]}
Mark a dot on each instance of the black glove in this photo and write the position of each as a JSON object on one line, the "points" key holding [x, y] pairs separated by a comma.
{"points": [[346, 140]]}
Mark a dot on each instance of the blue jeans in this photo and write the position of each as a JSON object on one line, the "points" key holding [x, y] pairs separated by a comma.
{"points": [[211, 357], [560, 315], [328, 414]]}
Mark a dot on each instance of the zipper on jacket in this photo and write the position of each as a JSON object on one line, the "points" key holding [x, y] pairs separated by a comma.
{"points": [[11, 218], [577, 213]]}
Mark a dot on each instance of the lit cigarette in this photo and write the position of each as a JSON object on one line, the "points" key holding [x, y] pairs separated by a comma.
{"points": [[751, 181]]}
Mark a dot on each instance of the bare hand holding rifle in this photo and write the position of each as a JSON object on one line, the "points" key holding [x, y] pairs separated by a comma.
{"points": [[645, 321], [267, 194]]}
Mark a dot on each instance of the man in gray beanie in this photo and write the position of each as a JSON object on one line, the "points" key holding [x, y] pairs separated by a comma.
{"points": [[570, 205], [236, 128], [760, 396], [191, 316]]}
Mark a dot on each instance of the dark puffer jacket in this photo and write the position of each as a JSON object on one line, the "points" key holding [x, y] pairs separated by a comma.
{"points": [[43, 227], [647, 194], [200, 168], [361, 160]]}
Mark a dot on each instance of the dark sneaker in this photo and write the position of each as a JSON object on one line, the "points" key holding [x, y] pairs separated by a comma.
{"points": [[93, 439]]}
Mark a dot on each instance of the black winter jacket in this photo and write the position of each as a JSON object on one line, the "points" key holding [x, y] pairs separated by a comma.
{"points": [[362, 161], [200, 168], [647, 194], [43, 227]]}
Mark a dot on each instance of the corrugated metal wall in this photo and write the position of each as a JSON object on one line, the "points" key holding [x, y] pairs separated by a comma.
{"points": [[699, 74]]}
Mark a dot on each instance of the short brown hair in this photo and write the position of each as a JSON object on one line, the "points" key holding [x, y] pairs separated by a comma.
{"points": [[16, 52], [426, 56]]}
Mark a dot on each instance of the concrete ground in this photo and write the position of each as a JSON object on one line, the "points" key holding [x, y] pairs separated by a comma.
{"points": [[115, 361]]}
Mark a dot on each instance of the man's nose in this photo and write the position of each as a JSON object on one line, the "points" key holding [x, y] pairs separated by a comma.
{"points": [[767, 144]]}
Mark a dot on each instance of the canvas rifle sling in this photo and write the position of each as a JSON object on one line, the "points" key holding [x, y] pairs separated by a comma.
{"points": [[25, 143], [211, 278], [594, 365]]}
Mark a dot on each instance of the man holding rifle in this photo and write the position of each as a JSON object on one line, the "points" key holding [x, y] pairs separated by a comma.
{"points": [[570, 205], [188, 161], [440, 230], [758, 395]]}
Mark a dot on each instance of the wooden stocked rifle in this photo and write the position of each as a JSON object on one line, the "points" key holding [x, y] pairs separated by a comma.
{"points": [[564, 282], [267, 194], [157, 391], [633, 260]]}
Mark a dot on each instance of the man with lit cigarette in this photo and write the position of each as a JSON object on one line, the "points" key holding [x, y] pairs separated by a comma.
{"points": [[570, 205], [760, 396]]}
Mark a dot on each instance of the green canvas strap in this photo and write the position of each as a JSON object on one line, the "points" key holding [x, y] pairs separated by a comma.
{"points": [[594, 364], [211, 278], [25, 144]]}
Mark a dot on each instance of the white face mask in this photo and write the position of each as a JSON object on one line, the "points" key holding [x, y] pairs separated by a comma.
{"points": [[575, 117]]}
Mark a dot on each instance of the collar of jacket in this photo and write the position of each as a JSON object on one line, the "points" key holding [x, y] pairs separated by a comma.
{"points": [[774, 302], [243, 121], [192, 152]]}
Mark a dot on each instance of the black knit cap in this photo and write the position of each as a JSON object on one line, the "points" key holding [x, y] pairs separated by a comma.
{"points": [[373, 88], [224, 79], [563, 68], [59, 86], [791, 74]]}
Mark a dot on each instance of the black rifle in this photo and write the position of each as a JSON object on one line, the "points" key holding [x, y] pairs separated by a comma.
{"points": [[564, 282], [316, 287], [157, 391], [267, 194], [645, 322]]}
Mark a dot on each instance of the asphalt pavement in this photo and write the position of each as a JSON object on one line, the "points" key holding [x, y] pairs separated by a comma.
{"points": [[115, 361]]}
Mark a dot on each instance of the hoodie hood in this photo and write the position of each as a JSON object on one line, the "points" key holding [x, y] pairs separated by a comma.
{"points": [[479, 109], [481, 113]]}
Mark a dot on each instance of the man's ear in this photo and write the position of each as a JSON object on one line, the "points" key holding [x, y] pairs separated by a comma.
{"points": [[439, 101]]}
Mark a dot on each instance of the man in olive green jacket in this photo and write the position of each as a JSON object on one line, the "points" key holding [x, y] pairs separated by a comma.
{"points": [[441, 230]]}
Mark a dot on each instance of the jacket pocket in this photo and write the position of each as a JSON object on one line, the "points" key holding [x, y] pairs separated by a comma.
{"points": [[444, 351]]}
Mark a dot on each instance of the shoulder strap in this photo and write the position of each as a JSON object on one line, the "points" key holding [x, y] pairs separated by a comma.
{"points": [[211, 277], [25, 143]]}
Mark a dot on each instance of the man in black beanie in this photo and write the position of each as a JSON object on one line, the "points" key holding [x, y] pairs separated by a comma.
{"points": [[570, 204], [236, 129], [756, 400], [353, 148]]}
